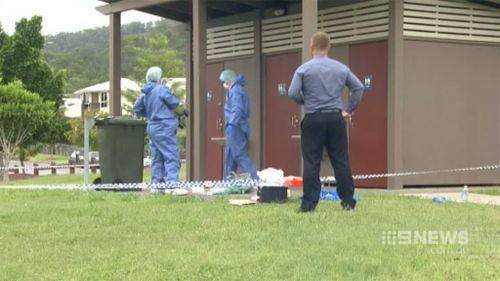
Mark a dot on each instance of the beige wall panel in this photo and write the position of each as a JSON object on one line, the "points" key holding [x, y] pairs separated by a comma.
{"points": [[247, 67], [451, 111]]}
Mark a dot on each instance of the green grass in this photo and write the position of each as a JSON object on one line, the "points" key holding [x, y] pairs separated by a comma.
{"points": [[487, 191], [77, 179], [78, 235], [52, 180], [47, 158]]}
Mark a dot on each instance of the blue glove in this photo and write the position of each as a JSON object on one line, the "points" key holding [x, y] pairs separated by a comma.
{"points": [[229, 129]]}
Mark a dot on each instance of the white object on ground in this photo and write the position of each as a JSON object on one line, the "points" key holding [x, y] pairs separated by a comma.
{"points": [[271, 177], [241, 202]]}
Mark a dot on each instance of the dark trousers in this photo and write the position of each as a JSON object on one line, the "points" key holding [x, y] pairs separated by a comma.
{"points": [[325, 130]]}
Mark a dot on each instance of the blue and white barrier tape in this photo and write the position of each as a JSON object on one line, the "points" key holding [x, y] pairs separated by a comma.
{"points": [[227, 183], [403, 174], [146, 186]]}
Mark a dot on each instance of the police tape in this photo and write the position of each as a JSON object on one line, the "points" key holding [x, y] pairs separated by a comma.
{"points": [[419, 173], [212, 185], [222, 184]]}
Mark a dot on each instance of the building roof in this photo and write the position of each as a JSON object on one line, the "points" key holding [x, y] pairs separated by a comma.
{"points": [[181, 10], [126, 84]]}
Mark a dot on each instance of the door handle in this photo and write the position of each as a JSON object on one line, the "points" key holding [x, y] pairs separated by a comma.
{"points": [[295, 121], [218, 124]]}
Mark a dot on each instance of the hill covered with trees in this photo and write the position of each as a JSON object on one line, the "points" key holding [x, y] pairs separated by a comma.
{"points": [[84, 54]]}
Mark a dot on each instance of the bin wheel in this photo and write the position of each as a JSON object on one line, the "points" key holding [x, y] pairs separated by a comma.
{"points": [[97, 181], [117, 181]]}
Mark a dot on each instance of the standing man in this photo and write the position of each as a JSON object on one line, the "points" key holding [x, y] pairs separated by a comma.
{"points": [[157, 104], [318, 85], [236, 114]]}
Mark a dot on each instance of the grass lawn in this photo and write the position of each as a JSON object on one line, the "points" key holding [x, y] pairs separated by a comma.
{"points": [[77, 179], [487, 191], [79, 235], [47, 158]]}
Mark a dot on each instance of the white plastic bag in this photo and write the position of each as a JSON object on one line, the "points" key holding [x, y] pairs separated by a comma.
{"points": [[271, 177]]}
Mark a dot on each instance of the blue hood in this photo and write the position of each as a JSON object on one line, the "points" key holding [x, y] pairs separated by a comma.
{"points": [[148, 87], [240, 80]]}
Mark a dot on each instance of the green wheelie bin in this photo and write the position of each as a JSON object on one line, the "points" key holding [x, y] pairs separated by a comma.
{"points": [[121, 149]]}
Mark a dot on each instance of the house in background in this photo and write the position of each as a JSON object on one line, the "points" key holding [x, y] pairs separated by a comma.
{"points": [[96, 97], [72, 106]]}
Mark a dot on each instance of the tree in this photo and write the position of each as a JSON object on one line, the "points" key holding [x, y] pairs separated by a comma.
{"points": [[3, 43], [84, 54], [23, 114], [76, 130], [158, 53], [23, 60], [176, 32], [55, 133], [130, 97]]}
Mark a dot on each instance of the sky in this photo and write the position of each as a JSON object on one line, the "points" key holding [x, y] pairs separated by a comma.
{"points": [[62, 15]]}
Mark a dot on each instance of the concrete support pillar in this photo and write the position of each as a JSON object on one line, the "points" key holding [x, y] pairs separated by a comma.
{"points": [[199, 145], [189, 104], [309, 26], [115, 64], [395, 94]]}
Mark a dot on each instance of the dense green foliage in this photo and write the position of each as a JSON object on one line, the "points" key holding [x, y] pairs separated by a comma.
{"points": [[84, 54], [24, 118], [23, 59]]}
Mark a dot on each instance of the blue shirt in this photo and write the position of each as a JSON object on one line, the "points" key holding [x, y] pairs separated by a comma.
{"points": [[318, 85], [156, 103]]}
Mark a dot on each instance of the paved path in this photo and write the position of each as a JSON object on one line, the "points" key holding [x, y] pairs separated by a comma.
{"points": [[453, 194]]}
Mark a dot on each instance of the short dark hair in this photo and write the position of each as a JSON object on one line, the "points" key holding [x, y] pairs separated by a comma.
{"points": [[320, 41]]}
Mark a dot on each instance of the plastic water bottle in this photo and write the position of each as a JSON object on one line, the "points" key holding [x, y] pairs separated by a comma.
{"points": [[465, 193]]}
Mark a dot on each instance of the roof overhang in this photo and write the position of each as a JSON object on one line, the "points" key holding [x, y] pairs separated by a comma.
{"points": [[181, 10]]}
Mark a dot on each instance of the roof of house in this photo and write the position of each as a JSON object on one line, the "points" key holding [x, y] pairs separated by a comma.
{"points": [[126, 84]]}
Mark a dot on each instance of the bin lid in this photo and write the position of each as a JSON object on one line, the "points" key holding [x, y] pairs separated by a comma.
{"points": [[120, 120]]}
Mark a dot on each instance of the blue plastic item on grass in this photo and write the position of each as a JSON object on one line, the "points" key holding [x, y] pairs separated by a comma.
{"points": [[439, 200], [332, 195], [329, 195]]}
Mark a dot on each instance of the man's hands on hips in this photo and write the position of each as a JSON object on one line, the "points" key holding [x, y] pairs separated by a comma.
{"points": [[347, 117]]}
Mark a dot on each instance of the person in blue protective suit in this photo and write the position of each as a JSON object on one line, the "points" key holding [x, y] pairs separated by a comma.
{"points": [[157, 103], [236, 114]]}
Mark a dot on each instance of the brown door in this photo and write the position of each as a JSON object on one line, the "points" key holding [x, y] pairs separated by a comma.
{"points": [[282, 117], [215, 121], [368, 135]]}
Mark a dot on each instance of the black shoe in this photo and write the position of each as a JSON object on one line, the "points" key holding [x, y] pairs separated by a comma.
{"points": [[300, 210], [305, 209], [348, 205]]}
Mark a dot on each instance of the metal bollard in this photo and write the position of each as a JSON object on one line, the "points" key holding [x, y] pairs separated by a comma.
{"points": [[52, 170], [93, 169]]}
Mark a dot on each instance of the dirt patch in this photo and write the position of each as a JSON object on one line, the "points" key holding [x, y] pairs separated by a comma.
{"points": [[14, 177]]}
